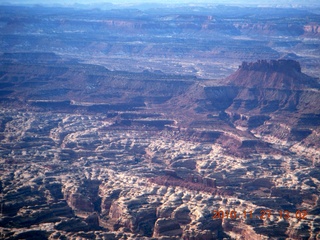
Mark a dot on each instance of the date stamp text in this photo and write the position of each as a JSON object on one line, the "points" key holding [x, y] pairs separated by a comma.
{"points": [[263, 214]]}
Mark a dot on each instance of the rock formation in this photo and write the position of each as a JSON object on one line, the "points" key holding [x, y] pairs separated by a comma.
{"points": [[108, 129], [90, 170]]}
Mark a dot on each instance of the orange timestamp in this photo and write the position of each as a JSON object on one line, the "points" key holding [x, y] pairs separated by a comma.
{"points": [[263, 215]]}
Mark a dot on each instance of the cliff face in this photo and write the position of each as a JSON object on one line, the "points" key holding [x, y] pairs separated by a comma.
{"points": [[312, 29], [272, 65], [279, 74], [268, 98], [274, 87]]}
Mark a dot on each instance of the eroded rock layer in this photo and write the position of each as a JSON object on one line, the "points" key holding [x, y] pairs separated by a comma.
{"points": [[98, 154]]}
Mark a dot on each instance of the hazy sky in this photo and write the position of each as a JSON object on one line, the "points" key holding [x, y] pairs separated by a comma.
{"points": [[242, 2]]}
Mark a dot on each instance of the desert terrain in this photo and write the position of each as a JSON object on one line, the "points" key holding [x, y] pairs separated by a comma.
{"points": [[159, 123]]}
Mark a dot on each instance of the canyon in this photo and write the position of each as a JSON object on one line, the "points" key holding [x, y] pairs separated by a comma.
{"points": [[103, 136]]}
